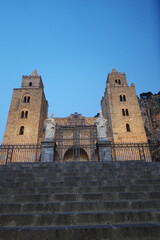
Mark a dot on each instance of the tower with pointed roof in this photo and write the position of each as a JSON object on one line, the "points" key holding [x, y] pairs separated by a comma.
{"points": [[28, 110], [121, 108]]}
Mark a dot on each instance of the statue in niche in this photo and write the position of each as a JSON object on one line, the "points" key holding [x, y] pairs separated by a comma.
{"points": [[101, 123], [50, 127]]}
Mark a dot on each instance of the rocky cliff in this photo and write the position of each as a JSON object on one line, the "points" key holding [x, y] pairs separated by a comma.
{"points": [[150, 108]]}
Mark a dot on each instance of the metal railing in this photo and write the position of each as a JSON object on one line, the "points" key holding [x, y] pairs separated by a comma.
{"points": [[131, 151], [19, 153], [32, 153]]}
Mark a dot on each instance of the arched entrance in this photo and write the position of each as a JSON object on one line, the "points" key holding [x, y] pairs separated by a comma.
{"points": [[75, 154], [75, 140]]}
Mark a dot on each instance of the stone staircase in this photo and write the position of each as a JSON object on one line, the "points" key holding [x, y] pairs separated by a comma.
{"points": [[80, 201]]}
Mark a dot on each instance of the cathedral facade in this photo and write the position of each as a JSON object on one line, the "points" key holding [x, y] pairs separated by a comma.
{"points": [[76, 135]]}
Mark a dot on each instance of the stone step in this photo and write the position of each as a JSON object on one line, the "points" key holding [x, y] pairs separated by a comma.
{"points": [[113, 196], [89, 175], [100, 177], [80, 218], [76, 171], [110, 182], [80, 201], [54, 174], [141, 231], [53, 190], [92, 206], [79, 189], [62, 167], [86, 166], [78, 163], [83, 166], [85, 177]]}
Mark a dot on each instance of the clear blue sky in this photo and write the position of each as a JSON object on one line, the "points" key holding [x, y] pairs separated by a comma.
{"points": [[74, 44]]}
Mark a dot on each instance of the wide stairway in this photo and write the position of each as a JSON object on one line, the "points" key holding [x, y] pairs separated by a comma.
{"points": [[80, 201]]}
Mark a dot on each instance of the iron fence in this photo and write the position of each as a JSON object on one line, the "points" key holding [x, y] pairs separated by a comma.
{"points": [[131, 151], [78, 152], [19, 153]]}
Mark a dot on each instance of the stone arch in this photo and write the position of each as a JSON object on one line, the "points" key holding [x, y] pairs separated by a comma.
{"points": [[68, 155]]}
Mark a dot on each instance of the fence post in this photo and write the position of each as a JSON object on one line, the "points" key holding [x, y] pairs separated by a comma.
{"points": [[9, 154], [141, 152]]}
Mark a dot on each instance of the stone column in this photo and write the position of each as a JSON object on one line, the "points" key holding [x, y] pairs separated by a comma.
{"points": [[48, 149], [104, 150]]}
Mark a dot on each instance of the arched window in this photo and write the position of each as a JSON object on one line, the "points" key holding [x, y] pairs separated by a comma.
{"points": [[26, 114], [127, 112], [26, 99], [30, 84], [116, 81], [123, 112], [122, 98], [128, 127], [119, 81], [22, 114], [21, 130]]}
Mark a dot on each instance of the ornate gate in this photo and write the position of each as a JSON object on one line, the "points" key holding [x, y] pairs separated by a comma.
{"points": [[76, 143]]}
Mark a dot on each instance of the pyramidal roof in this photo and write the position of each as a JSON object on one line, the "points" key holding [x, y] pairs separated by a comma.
{"points": [[114, 70], [34, 73]]}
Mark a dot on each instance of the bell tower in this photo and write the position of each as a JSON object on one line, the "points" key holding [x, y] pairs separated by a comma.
{"points": [[121, 108], [28, 110]]}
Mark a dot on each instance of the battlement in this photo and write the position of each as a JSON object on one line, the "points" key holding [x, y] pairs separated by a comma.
{"points": [[32, 81], [116, 78]]}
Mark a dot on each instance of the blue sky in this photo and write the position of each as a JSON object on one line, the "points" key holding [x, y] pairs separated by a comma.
{"points": [[74, 44]]}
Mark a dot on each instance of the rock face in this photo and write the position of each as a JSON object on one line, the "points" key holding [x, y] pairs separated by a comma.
{"points": [[150, 108]]}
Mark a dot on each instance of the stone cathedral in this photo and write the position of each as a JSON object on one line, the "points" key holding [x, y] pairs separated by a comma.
{"points": [[76, 135]]}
